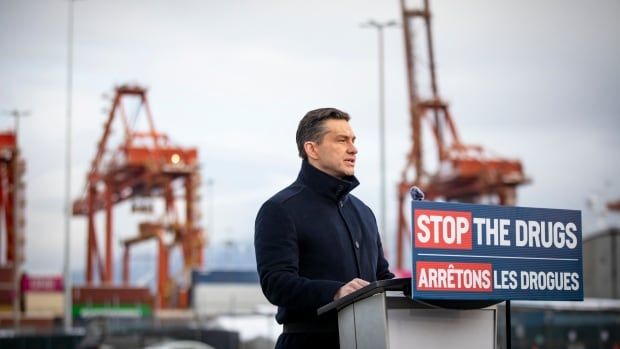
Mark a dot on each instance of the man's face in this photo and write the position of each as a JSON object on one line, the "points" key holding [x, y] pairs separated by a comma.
{"points": [[335, 153]]}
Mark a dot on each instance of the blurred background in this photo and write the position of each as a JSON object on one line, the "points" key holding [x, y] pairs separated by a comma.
{"points": [[532, 81]]}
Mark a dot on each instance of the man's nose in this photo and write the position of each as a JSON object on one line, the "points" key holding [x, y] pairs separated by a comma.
{"points": [[352, 148]]}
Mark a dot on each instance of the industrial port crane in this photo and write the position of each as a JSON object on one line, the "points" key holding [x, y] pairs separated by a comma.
{"points": [[144, 167], [12, 203], [466, 173], [12, 220], [614, 205]]}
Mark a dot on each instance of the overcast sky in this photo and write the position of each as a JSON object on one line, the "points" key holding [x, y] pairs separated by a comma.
{"points": [[533, 80]]}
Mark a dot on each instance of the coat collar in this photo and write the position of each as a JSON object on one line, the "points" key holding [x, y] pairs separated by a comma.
{"points": [[324, 184]]}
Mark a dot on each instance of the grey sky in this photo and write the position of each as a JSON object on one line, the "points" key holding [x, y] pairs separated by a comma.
{"points": [[535, 80]]}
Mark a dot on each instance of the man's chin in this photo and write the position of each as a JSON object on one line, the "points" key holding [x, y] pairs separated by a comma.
{"points": [[349, 173]]}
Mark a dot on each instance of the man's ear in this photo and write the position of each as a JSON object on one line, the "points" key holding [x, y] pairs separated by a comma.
{"points": [[311, 150]]}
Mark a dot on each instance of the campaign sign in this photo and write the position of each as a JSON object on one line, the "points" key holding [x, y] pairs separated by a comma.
{"points": [[482, 252]]}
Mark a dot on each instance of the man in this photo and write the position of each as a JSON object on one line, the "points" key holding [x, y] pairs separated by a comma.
{"points": [[314, 241]]}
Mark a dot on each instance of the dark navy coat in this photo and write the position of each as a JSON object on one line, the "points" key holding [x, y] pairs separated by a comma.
{"points": [[312, 238]]}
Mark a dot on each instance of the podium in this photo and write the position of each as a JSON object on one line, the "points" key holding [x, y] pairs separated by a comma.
{"points": [[382, 315]]}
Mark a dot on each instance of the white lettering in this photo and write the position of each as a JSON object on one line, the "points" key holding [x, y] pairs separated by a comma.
{"points": [[521, 233], [551, 280], [478, 222], [571, 242], [425, 235]]}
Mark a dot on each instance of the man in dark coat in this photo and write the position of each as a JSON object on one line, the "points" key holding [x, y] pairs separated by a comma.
{"points": [[314, 241]]}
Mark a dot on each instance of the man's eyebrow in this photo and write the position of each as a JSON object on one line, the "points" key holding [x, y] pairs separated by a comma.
{"points": [[344, 136]]}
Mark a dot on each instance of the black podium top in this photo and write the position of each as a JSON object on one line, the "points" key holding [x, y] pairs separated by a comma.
{"points": [[367, 291], [403, 285]]}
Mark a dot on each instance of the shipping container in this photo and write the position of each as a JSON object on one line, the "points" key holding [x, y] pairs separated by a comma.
{"points": [[6, 295], [6, 274], [28, 323], [112, 295], [45, 283], [44, 303], [227, 292]]}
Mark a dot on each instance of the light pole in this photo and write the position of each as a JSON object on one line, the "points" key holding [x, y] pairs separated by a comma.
{"points": [[68, 211], [211, 206], [380, 26], [17, 114]]}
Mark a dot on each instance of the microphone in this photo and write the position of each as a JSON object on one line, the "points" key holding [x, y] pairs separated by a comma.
{"points": [[416, 194]]}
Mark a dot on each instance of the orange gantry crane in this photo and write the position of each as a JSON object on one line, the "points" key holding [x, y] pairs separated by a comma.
{"points": [[144, 167], [12, 200], [466, 173], [12, 219]]}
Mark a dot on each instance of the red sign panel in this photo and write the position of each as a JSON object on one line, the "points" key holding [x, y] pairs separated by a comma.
{"points": [[442, 229], [452, 276]]}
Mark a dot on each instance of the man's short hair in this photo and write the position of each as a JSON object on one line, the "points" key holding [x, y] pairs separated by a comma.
{"points": [[311, 127]]}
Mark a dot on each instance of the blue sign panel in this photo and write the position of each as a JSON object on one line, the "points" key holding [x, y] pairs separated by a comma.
{"points": [[480, 252]]}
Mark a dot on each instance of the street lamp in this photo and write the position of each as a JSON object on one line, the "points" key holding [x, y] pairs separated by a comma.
{"points": [[68, 323], [211, 206], [17, 114], [380, 26]]}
